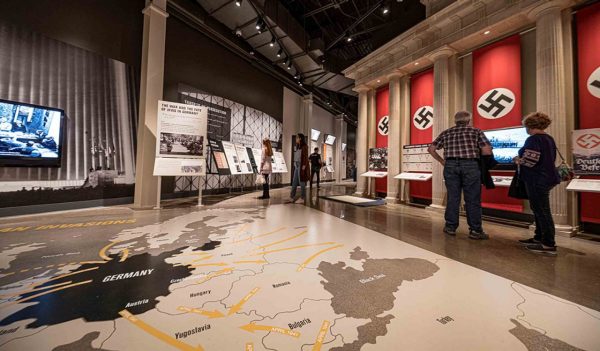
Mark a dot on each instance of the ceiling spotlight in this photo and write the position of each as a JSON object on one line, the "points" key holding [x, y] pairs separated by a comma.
{"points": [[300, 83], [486, 32], [290, 65], [279, 53], [238, 3], [272, 43], [416, 63], [385, 10], [349, 39], [258, 24]]}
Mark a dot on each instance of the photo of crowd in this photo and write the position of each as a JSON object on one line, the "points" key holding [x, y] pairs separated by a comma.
{"points": [[181, 144]]}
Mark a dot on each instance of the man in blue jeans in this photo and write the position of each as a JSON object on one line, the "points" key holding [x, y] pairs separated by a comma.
{"points": [[463, 145]]}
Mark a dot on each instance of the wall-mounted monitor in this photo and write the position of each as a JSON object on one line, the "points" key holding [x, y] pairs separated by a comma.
{"points": [[329, 139], [314, 134], [506, 143], [30, 135]]}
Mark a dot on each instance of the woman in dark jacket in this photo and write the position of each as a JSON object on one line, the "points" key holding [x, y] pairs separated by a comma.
{"points": [[301, 168], [538, 171]]}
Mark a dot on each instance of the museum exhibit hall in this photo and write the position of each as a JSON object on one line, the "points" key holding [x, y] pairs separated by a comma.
{"points": [[301, 175]]}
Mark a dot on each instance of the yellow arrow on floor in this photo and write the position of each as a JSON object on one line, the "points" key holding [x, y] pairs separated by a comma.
{"points": [[305, 263], [238, 306], [125, 254], [257, 261], [292, 248], [254, 327], [282, 240], [215, 274], [209, 314], [216, 264], [102, 252], [157, 333], [249, 347], [321, 336]]}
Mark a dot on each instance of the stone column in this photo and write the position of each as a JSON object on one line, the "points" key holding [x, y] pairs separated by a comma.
{"points": [[405, 121], [362, 139], [340, 133], [151, 90], [372, 127], [441, 116], [394, 136], [306, 116], [552, 95]]}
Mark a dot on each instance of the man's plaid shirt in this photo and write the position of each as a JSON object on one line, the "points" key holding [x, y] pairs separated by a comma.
{"points": [[461, 141]]}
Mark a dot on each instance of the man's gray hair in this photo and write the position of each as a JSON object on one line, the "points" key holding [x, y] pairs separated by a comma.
{"points": [[462, 117]]}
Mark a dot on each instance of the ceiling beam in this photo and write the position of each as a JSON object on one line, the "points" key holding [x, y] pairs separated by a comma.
{"points": [[356, 23], [334, 3]]}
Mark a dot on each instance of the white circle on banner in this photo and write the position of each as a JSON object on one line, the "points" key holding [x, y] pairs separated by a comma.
{"points": [[423, 117], [383, 127], [496, 103], [593, 83]]}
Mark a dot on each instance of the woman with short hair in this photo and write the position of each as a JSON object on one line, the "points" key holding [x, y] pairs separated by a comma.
{"points": [[266, 167], [538, 171]]}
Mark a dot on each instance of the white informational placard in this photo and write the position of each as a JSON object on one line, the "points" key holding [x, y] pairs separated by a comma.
{"points": [[257, 157], [374, 174], [418, 177], [232, 158], [174, 166], [181, 144], [242, 154], [330, 139], [502, 181], [181, 130], [314, 134], [416, 158], [584, 185], [586, 151], [279, 165]]}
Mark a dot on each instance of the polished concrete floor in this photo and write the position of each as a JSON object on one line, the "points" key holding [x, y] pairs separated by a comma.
{"points": [[241, 273]]}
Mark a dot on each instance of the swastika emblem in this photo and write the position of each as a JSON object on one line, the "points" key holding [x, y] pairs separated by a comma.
{"points": [[423, 117], [588, 141], [496, 103], [383, 127], [593, 83]]}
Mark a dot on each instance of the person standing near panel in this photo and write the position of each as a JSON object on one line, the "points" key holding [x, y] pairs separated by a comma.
{"points": [[315, 167], [266, 167], [301, 168], [463, 146], [538, 172]]}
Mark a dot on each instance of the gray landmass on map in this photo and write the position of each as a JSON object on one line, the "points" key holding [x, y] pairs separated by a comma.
{"points": [[381, 278], [536, 341], [367, 333], [83, 344]]}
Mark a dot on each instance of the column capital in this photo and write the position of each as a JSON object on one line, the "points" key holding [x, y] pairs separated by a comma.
{"points": [[397, 74], [363, 88], [307, 98], [441, 52], [544, 7], [156, 7]]}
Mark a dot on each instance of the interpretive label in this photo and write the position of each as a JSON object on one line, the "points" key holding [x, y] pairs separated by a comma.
{"points": [[299, 324], [110, 278], [196, 330]]}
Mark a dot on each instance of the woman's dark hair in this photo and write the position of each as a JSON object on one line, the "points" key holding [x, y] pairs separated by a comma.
{"points": [[302, 139]]}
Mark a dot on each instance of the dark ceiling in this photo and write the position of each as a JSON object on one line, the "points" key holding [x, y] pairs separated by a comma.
{"points": [[362, 20]]}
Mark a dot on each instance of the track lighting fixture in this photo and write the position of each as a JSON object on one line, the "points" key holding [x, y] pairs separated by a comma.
{"points": [[279, 53], [238, 3]]}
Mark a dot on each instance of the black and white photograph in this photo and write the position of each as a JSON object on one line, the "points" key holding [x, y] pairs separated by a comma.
{"points": [[181, 144]]}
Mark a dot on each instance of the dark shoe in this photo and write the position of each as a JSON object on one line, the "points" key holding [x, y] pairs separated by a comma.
{"points": [[478, 235], [450, 231], [263, 197], [529, 241], [539, 248]]}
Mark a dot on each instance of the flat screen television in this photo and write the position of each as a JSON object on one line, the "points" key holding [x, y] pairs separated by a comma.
{"points": [[30, 135], [329, 139], [314, 134], [506, 143]]}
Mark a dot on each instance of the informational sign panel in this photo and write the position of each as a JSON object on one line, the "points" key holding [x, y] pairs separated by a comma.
{"points": [[254, 156], [278, 163], [586, 151], [180, 148], [584, 185], [418, 177], [232, 158], [378, 159], [416, 158], [174, 166], [244, 159], [219, 157]]}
